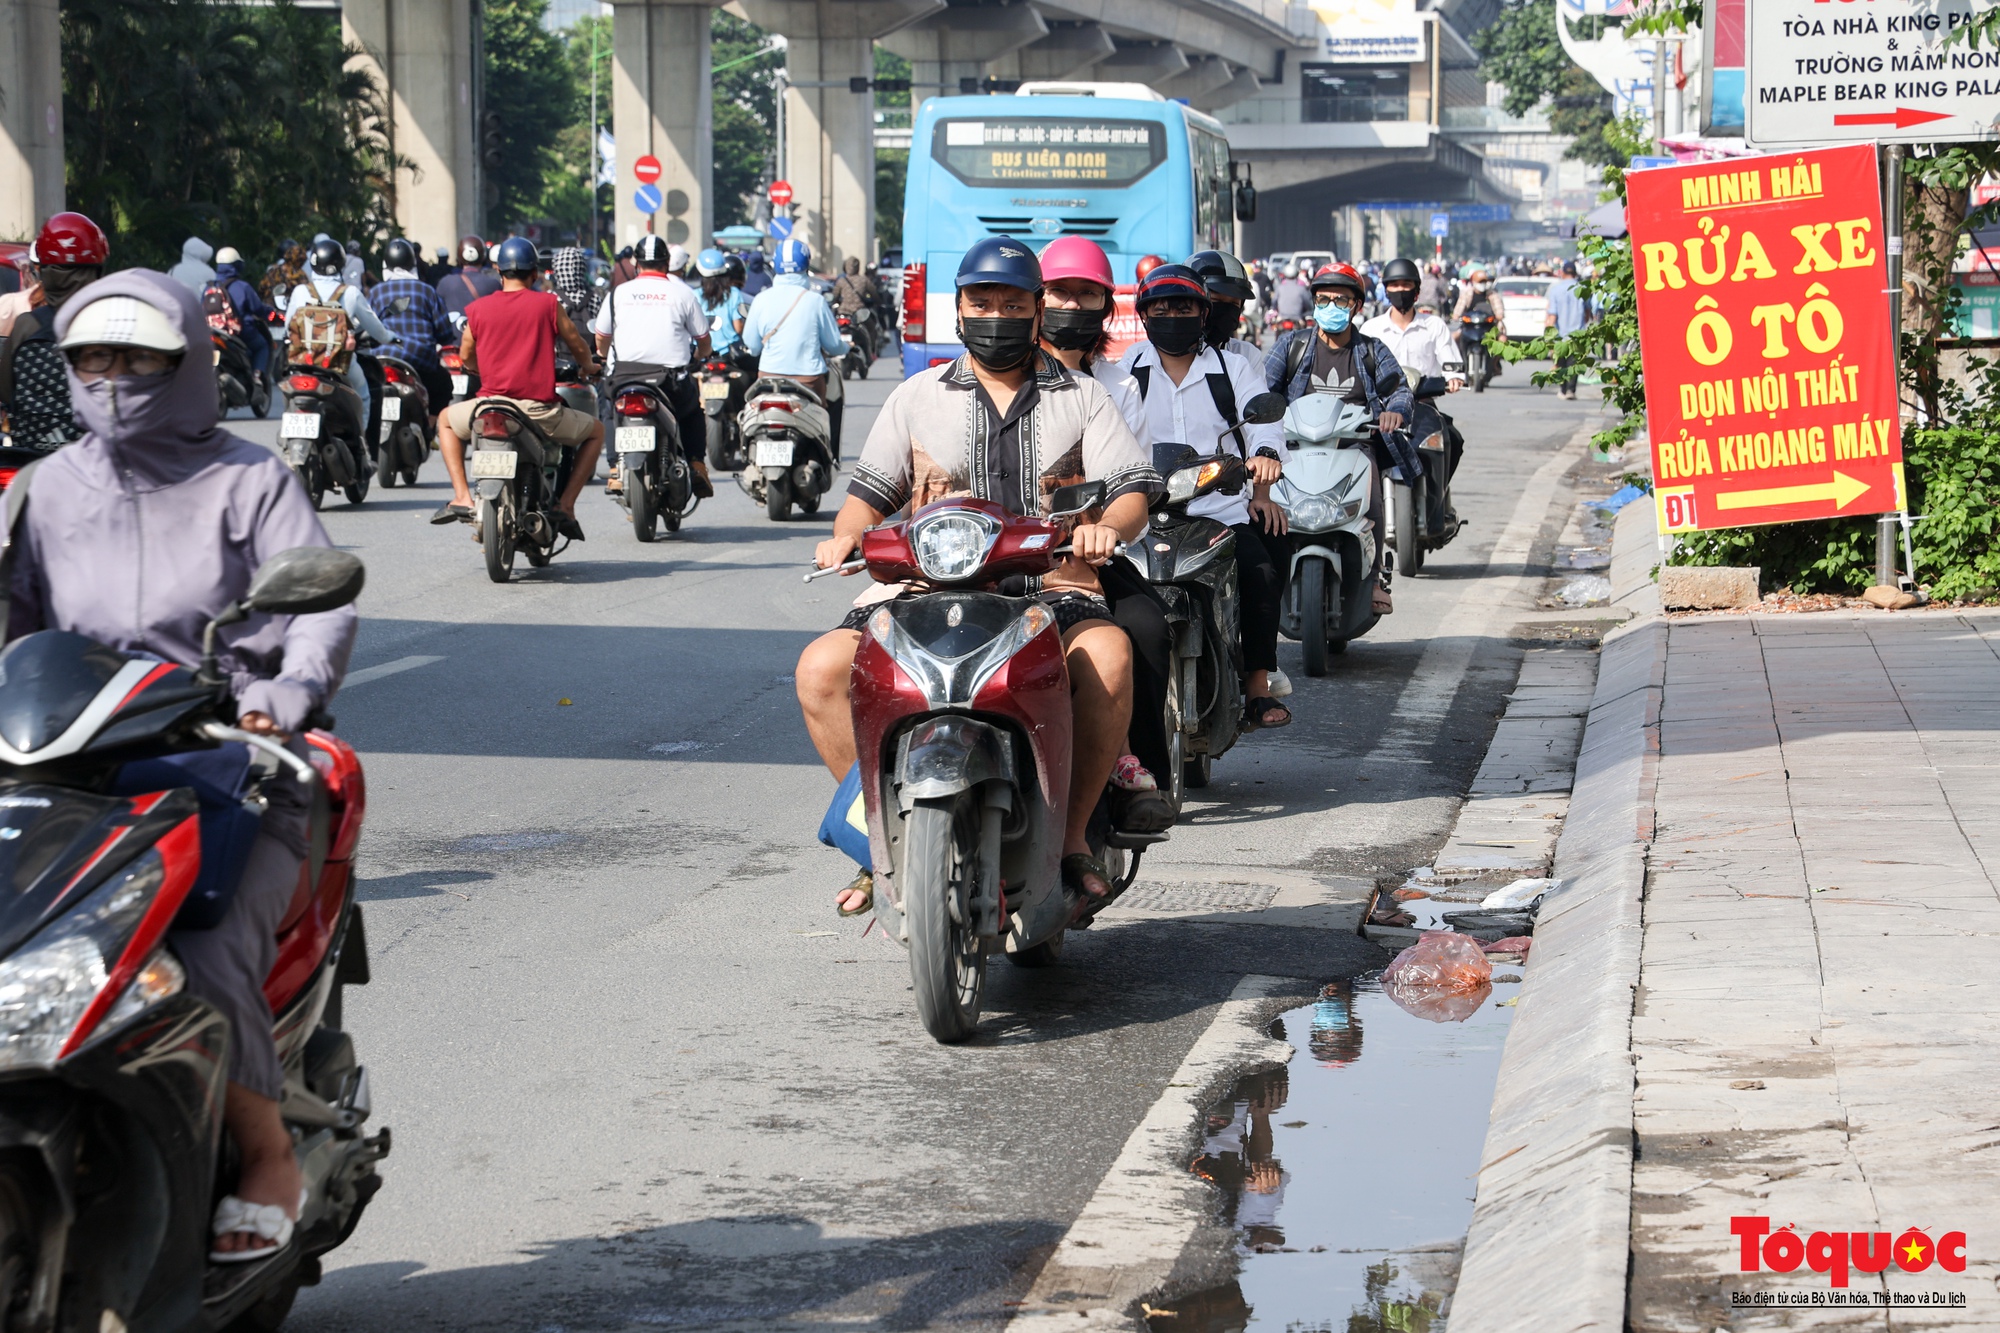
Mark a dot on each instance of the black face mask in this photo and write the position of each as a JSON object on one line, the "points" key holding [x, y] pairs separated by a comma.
{"points": [[1073, 330], [998, 343], [1222, 322], [62, 281], [1175, 335], [1402, 300]]}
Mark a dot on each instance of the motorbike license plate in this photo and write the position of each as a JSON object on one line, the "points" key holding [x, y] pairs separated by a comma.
{"points": [[715, 388], [774, 453], [300, 426], [461, 384], [494, 463], [635, 439], [392, 409]]}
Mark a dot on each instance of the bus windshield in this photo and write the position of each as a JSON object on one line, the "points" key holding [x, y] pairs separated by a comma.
{"points": [[1023, 150]]}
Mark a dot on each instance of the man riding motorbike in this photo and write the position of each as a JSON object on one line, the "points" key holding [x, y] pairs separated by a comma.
{"points": [[414, 312], [793, 333], [1333, 356], [137, 536], [1079, 294], [1422, 343], [1041, 425], [1478, 296], [465, 285], [251, 313], [1229, 290], [518, 326], [1195, 395], [69, 254], [653, 327], [326, 286]]}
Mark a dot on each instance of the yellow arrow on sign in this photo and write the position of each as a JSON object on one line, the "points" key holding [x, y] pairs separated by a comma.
{"points": [[1843, 490]]}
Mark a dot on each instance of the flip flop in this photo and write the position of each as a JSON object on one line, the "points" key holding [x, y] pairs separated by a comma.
{"points": [[449, 512], [1074, 867], [865, 884], [267, 1221], [1257, 714]]}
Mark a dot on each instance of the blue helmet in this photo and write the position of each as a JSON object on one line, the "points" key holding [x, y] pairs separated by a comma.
{"points": [[516, 254], [1001, 259], [711, 263], [794, 256]]}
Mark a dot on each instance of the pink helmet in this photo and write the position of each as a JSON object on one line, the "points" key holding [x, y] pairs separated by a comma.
{"points": [[1077, 257]]}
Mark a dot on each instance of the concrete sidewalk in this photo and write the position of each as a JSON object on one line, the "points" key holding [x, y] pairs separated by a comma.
{"points": [[1814, 1030]]}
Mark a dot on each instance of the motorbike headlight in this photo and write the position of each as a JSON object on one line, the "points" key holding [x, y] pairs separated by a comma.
{"points": [[58, 988], [953, 546], [954, 682], [1311, 512], [1188, 481]]}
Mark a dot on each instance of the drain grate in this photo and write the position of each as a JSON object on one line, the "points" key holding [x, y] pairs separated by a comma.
{"points": [[1198, 899]]}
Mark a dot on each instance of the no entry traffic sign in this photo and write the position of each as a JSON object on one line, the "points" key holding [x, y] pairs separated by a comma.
{"points": [[647, 169], [781, 193], [1820, 73], [647, 199], [1764, 331]]}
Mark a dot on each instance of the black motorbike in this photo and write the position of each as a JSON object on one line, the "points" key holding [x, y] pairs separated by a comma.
{"points": [[1473, 326], [403, 417], [658, 484], [519, 472], [321, 434], [723, 380], [237, 382], [1421, 515], [859, 331], [111, 1072], [1191, 562]]}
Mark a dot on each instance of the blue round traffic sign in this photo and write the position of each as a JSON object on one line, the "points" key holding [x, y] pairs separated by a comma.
{"points": [[647, 198]]}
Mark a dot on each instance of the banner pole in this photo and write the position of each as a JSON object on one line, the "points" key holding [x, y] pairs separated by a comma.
{"points": [[1892, 227]]}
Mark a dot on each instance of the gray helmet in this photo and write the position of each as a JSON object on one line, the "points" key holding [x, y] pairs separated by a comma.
{"points": [[1223, 273]]}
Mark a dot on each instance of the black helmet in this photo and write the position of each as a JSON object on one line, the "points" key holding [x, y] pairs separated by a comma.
{"points": [[516, 254], [1400, 270], [399, 253], [328, 258], [1170, 280], [732, 268], [1225, 275]]}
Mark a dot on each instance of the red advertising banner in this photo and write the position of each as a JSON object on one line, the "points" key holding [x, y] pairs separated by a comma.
{"points": [[1764, 332]]}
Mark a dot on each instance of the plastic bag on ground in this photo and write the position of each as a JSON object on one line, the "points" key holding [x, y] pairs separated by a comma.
{"points": [[1521, 893], [1514, 944], [1440, 960]]}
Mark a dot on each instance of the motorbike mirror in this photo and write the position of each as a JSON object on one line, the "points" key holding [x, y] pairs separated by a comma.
{"points": [[304, 580], [1205, 475], [1171, 458], [1264, 409], [1430, 386], [1069, 501]]}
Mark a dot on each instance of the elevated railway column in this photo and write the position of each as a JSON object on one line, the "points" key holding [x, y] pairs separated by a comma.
{"points": [[31, 127], [662, 105], [424, 55]]}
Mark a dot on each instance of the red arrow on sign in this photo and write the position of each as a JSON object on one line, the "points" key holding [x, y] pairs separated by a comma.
{"points": [[1902, 118], [647, 169]]}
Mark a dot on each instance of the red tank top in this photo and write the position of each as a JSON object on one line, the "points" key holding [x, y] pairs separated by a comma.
{"points": [[514, 339]]}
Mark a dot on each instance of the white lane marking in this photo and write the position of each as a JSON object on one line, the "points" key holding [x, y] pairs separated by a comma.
{"points": [[1427, 695], [366, 674], [1124, 1243]]}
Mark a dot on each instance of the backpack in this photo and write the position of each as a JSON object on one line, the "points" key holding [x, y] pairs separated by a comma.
{"points": [[1219, 388], [318, 333], [220, 308]]}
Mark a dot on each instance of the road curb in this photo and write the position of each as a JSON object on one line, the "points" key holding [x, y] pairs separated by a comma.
{"points": [[1551, 1223]]}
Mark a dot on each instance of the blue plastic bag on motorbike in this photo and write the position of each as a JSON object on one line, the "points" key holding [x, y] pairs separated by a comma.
{"points": [[846, 823]]}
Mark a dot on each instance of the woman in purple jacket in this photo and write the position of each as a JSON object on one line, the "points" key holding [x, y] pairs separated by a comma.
{"points": [[137, 535]]}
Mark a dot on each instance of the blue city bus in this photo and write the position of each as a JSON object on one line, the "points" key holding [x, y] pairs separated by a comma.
{"points": [[1116, 162]]}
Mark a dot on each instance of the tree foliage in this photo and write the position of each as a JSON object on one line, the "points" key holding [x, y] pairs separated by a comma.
{"points": [[531, 93], [1522, 51], [238, 124]]}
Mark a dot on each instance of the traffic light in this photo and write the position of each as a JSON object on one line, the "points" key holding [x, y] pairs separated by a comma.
{"points": [[490, 146]]}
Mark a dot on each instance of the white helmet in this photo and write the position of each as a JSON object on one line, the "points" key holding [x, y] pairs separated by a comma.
{"points": [[1291, 270]]}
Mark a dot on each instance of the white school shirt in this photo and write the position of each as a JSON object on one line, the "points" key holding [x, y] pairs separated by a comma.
{"points": [[1424, 347], [1185, 413]]}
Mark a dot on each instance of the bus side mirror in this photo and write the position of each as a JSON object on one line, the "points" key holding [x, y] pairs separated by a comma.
{"points": [[1246, 202]]}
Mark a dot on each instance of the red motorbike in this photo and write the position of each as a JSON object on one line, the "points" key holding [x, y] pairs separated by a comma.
{"points": [[962, 722]]}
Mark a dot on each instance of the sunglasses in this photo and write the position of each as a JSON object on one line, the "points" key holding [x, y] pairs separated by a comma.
{"points": [[136, 360]]}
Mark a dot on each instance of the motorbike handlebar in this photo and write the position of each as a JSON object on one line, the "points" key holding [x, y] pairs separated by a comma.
{"points": [[301, 770], [853, 566]]}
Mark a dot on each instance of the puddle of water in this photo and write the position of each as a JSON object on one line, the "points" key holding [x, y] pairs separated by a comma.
{"points": [[1349, 1174], [514, 842]]}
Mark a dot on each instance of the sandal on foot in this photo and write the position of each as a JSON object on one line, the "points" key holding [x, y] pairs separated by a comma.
{"points": [[864, 884], [266, 1221], [1074, 867], [1383, 604], [1257, 715], [614, 484], [450, 512]]}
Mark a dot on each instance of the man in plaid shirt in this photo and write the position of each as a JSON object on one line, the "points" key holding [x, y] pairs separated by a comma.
{"points": [[414, 312]]}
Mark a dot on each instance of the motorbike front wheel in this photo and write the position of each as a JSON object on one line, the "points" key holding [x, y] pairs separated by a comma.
{"points": [[1409, 547], [496, 536], [639, 495], [1313, 619], [1176, 774], [1476, 367], [947, 966]]}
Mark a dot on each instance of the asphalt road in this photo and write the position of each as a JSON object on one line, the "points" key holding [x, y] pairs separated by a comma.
{"points": [[639, 1073]]}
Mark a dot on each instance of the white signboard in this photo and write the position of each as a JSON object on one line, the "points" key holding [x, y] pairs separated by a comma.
{"points": [[1389, 31], [1854, 71]]}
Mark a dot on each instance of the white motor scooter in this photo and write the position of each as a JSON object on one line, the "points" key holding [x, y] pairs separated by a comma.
{"points": [[1324, 492]]}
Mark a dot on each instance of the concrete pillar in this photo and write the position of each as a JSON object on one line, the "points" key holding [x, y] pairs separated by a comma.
{"points": [[421, 52], [961, 43], [1070, 51], [830, 129], [662, 104], [31, 138], [1151, 63]]}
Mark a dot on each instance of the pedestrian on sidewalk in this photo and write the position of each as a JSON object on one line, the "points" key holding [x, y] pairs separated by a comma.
{"points": [[1568, 312]]}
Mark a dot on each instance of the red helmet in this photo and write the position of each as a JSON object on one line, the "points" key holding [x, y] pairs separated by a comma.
{"points": [[1077, 257], [1338, 274], [1146, 264], [71, 238]]}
